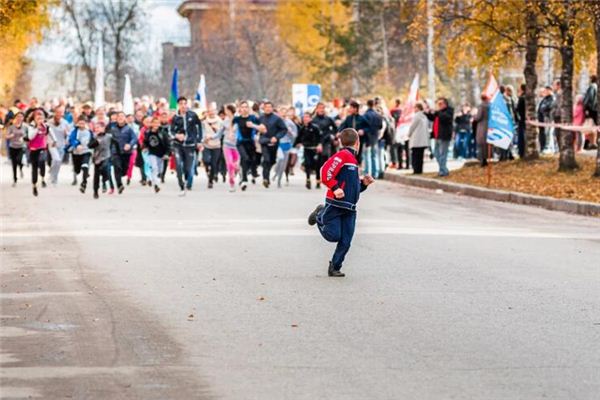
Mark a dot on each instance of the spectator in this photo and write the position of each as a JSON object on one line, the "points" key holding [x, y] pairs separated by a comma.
{"points": [[545, 115], [521, 116], [590, 104], [482, 126], [418, 138], [443, 125]]}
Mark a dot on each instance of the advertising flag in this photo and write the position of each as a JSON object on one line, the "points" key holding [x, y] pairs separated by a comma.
{"points": [[408, 111], [305, 96], [500, 124]]}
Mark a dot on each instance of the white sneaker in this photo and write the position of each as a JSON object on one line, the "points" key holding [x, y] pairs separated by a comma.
{"points": [[232, 189], [182, 193]]}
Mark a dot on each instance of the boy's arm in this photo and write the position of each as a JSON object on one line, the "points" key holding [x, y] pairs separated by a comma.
{"points": [[365, 182]]}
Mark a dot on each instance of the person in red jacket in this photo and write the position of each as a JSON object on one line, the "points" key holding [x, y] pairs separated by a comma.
{"points": [[336, 219]]}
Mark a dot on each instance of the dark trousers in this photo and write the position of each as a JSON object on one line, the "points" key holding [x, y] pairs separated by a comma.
{"points": [[337, 225], [212, 158], [482, 154], [38, 163], [247, 159], [311, 163], [269, 156], [81, 163], [16, 160], [521, 140], [120, 164], [542, 139], [417, 159], [139, 162], [185, 162], [101, 170], [403, 148]]}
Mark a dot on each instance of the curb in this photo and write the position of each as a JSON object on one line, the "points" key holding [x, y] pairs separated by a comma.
{"points": [[549, 203]]}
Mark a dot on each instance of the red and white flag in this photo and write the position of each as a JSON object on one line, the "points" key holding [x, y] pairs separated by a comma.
{"points": [[408, 111]]}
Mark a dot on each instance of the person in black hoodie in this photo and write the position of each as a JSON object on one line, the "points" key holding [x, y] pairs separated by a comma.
{"points": [[272, 128], [357, 122], [309, 137], [328, 131], [156, 143], [443, 126]]}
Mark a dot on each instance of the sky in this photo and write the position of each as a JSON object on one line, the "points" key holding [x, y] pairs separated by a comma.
{"points": [[167, 25]]}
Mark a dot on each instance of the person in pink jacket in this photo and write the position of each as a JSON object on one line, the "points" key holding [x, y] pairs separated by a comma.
{"points": [[578, 119]]}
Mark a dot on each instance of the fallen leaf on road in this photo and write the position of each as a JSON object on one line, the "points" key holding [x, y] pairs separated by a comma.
{"points": [[261, 298], [294, 325], [191, 317]]}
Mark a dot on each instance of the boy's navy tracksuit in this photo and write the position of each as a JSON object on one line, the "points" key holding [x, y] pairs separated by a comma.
{"points": [[336, 221]]}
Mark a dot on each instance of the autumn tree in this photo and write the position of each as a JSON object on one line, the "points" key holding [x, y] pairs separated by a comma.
{"points": [[21, 24], [593, 13], [495, 35]]}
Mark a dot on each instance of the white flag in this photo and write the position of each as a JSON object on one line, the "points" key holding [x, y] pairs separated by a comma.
{"points": [[201, 93], [408, 111], [127, 97], [99, 94]]}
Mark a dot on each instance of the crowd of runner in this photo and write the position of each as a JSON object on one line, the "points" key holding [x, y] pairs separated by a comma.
{"points": [[245, 142]]}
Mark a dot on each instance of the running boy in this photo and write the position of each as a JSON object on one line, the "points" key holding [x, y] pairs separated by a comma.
{"points": [[337, 218]]}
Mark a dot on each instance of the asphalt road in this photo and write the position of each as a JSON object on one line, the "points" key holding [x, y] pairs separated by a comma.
{"points": [[225, 295]]}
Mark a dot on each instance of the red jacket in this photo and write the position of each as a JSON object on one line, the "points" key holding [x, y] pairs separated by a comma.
{"points": [[340, 171]]}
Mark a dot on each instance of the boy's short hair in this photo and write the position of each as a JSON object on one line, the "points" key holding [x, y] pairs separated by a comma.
{"points": [[349, 137]]}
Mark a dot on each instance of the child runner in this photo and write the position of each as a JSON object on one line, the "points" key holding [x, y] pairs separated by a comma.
{"points": [[337, 218], [101, 143], [156, 145], [78, 142], [17, 132], [38, 142]]}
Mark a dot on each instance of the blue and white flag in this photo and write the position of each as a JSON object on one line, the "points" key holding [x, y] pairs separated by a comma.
{"points": [[201, 93], [305, 96], [500, 124]]}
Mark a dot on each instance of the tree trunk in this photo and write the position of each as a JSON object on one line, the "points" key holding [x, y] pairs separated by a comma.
{"points": [[566, 161], [531, 81]]}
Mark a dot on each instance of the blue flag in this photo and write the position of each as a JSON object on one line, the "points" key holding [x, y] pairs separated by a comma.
{"points": [[500, 123], [174, 91]]}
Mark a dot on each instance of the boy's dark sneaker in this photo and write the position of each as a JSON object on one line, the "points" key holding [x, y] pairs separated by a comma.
{"points": [[244, 186], [120, 189], [96, 195], [312, 218], [44, 184], [308, 185], [333, 272], [318, 185], [82, 188], [266, 183], [35, 192], [128, 181], [156, 189]]}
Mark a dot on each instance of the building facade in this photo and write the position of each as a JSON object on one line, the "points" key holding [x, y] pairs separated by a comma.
{"points": [[214, 27]]}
